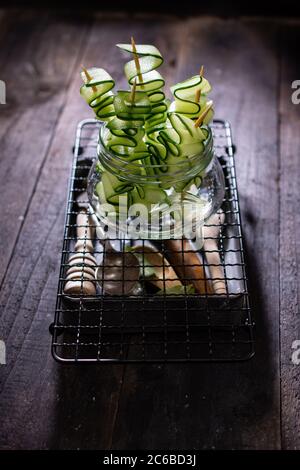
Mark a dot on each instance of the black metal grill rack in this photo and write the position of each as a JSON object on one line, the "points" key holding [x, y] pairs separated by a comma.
{"points": [[148, 327]]}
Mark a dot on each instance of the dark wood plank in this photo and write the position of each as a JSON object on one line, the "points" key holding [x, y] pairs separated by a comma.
{"points": [[51, 397], [6, 20], [36, 62], [225, 405], [203, 406], [65, 407], [32, 139], [289, 236]]}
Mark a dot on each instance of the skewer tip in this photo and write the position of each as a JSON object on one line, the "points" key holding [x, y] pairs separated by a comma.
{"points": [[204, 113], [88, 76], [137, 62], [83, 68], [198, 96], [201, 73]]}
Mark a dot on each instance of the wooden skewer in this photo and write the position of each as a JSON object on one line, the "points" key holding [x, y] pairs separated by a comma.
{"points": [[136, 60], [198, 95], [88, 77], [132, 94], [203, 114], [198, 92]]}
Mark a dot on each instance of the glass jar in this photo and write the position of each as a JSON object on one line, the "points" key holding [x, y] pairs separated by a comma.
{"points": [[161, 200]]}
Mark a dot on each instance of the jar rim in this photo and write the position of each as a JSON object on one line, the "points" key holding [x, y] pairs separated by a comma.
{"points": [[196, 163]]}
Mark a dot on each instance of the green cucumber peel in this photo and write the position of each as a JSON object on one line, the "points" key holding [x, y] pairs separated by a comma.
{"points": [[131, 110], [112, 187], [117, 124], [145, 127], [101, 99], [150, 59]]}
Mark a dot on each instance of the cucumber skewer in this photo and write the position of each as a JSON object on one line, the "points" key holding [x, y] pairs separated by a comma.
{"points": [[143, 127]]}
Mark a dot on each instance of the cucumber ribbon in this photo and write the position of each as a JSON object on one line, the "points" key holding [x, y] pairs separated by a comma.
{"points": [[97, 92], [152, 83], [145, 128]]}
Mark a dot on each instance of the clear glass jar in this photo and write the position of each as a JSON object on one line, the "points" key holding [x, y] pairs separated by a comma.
{"points": [[157, 201]]}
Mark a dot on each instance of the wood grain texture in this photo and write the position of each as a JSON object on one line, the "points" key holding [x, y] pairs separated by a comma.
{"points": [[147, 406], [37, 68], [289, 236], [32, 386], [230, 405]]}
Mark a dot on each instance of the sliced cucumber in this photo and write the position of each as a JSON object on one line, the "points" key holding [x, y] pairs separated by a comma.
{"points": [[148, 195], [113, 187], [144, 127], [97, 92], [185, 96]]}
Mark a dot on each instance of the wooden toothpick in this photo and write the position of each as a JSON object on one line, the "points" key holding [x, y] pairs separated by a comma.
{"points": [[88, 77], [198, 95], [198, 92], [203, 114], [132, 94], [136, 60]]}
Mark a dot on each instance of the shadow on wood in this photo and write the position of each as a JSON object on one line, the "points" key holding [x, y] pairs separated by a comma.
{"points": [[201, 406]]}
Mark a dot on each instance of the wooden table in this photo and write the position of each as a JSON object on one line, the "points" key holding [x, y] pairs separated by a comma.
{"points": [[252, 405]]}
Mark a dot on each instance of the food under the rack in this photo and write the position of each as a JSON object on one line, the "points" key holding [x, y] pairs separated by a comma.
{"points": [[178, 271], [144, 127], [156, 269], [188, 265]]}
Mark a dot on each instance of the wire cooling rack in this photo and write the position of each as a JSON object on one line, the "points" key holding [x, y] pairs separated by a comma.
{"points": [[149, 325]]}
